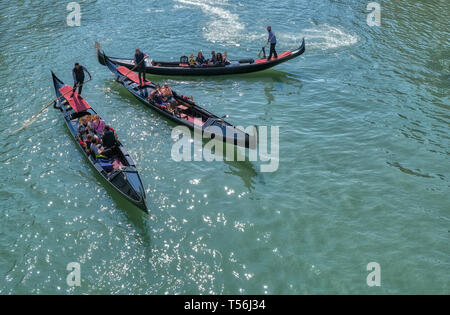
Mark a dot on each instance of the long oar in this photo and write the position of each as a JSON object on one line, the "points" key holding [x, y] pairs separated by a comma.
{"points": [[40, 112]]}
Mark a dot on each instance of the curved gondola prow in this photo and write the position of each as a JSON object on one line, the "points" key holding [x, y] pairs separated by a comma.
{"points": [[294, 54], [56, 79], [57, 84], [302, 47], [100, 54]]}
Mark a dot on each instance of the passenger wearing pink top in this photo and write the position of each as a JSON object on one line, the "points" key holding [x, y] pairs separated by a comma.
{"points": [[99, 125]]}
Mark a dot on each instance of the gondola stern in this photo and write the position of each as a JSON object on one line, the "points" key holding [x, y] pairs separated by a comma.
{"points": [[57, 83], [54, 77], [143, 206], [302, 47], [100, 54], [141, 203], [134, 184]]}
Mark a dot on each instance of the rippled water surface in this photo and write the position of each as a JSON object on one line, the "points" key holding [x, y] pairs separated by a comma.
{"points": [[364, 121]]}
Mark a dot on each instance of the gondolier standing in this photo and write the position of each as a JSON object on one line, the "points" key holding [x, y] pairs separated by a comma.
{"points": [[273, 42], [78, 77], [139, 62]]}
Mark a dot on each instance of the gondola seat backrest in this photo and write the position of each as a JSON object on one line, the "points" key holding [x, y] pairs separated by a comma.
{"points": [[184, 60], [247, 61], [108, 167]]}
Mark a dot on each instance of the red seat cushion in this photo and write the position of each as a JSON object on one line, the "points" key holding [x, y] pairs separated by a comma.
{"points": [[78, 104], [133, 76], [283, 55]]}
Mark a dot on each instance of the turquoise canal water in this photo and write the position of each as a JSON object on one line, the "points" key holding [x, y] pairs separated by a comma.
{"points": [[363, 172]]}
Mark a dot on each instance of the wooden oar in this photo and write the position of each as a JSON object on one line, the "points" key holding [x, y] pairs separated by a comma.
{"points": [[46, 106]]}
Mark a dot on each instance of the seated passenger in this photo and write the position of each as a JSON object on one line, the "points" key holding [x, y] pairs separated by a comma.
{"points": [[172, 106], [95, 148], [81, 142], [155, 95], [83, 127], [166, 93], [213, 58], [200, 59], [191, 60], [89, 120], [108, 139], [98, 125], [88, 141], [225, 61], [88, 131], [219, 59]]}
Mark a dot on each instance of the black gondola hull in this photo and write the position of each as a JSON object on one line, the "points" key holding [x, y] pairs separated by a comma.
{"points": [[131, 188], [238, 137], [239, 68]]}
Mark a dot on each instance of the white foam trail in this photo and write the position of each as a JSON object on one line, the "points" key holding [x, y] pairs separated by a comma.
{"points": [[224, 25], [324, 37], [155, 11]]}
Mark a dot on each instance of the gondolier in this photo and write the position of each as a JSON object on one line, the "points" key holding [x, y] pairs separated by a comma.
{"points": [[273, 42], [139, 58], [78, 77]]}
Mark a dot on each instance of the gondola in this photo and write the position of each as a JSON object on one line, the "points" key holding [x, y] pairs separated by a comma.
{"points": [[118, 170], [182, 68], [186, 113]]}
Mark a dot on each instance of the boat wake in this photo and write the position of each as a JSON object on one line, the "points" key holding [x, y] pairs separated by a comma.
{"points": [[323, 37], [223, 26]]}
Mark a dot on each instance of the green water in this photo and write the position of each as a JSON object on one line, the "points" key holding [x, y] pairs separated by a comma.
{"points": [[364, 175]]}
